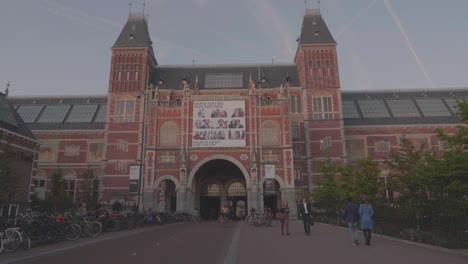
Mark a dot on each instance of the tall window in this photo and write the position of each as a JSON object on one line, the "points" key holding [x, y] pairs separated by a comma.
{"points": [[297, 174], [293, 104], [137, 69], [69, 188], [323, 108], [119, 74], [128, 71], [124, 111], [299, 104]]}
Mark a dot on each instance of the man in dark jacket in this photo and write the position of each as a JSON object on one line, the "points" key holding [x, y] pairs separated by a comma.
{"points": [[351, 217], [305, 211]]}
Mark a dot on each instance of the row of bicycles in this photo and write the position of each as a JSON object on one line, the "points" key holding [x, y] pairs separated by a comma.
{"points": [[260, 219], [33, 230]]}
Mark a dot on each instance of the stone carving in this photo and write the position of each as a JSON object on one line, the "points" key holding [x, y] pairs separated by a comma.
{"points": [[183, 176], [244, 157], [193, 157], [254, 175]]}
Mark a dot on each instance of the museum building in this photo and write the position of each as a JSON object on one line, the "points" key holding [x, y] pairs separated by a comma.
{"points": [[197, 137]]}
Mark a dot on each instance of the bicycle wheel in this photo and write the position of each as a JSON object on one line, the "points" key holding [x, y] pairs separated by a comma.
{"points": [[72, 232], [1, 246], [96, 228], [11, 240], [26, 241]]}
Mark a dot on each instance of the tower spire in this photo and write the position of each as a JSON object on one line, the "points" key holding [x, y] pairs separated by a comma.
{"points": [[7, 90], [129, 8]]}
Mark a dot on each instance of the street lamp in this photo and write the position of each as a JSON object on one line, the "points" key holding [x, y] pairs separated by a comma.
{"points": [[261, 83], [143, 145]]}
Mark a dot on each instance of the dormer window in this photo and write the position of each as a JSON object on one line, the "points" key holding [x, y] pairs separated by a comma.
{"points": [[316, 34], [132, 37], [314, 22], [133, 27]]}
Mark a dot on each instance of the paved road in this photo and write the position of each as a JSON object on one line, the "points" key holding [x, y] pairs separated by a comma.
{"points": [[213, 242]]}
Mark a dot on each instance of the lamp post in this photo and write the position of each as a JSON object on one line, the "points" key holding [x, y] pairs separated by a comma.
{"points": [[261, 82], [144, 94]]}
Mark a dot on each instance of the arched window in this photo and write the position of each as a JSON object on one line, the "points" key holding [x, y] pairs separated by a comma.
{"points": [[236, 189], [293, 104], [270, 133], [169, 134], [210, 189]]}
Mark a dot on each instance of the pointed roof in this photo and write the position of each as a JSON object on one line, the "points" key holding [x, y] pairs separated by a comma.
{"points": [[314, 29], [135, 33], [11, 121]]}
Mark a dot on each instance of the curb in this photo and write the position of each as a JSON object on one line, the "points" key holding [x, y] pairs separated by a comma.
{"points": [[460, 252]]}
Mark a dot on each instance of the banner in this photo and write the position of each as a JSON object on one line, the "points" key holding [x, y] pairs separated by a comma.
{"points": [[270, 171], [134, 179], [270, 187], [218, 124]]}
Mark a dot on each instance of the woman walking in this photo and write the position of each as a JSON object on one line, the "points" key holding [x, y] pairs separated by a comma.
{"points": [[366, 212], [285, 221]]}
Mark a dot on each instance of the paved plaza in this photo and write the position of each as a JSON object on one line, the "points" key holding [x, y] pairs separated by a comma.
{"points": [[235, 242]]}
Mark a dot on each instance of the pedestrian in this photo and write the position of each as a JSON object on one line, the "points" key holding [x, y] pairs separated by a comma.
{"points": [[285, 220], [305, 211], [366, 212], [351, 217]]}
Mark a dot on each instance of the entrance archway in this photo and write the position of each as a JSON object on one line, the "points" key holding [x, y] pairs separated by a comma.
{"points": [[167, 196], [272, 199], [215, 184]]}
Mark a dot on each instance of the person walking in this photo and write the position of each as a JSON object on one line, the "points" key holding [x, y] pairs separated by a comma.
{"points": [[366, 213], [351, 217], [305, 211], [285, 221]]}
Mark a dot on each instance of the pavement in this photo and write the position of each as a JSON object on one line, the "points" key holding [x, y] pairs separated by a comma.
{"points": [[233, 242]]}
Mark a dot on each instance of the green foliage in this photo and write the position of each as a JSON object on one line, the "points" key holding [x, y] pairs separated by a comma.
{"points": [[89, 188], [342, 181], [58, 199], [8, 179]]}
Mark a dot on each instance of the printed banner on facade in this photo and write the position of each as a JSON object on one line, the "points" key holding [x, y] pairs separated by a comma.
{"points": [[218, 124], [134, 179], [270, 171], [270, 187]]}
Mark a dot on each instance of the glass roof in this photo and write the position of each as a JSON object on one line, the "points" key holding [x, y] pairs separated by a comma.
{"points": [[29, 113], [350, 110], [82, 113], [223, 80], [403, 108], [54, 114], [373, 108], [453, 104], [101, 114], [433, 107]]}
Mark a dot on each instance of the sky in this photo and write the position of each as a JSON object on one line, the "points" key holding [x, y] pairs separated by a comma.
{"points": [[63, 47]]}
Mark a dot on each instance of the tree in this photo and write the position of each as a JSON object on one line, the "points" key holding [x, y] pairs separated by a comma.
{"points": [[328, 196], [367, 182], [89, 188], [8, 179]]}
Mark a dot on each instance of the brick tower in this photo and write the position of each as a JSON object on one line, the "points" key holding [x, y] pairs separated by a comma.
{"points": [[132, 63], [317, 64]]}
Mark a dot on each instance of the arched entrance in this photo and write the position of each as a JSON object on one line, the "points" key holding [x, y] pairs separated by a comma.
{"points": [[216, 183], [167, 196], [271, 195]]}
